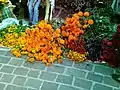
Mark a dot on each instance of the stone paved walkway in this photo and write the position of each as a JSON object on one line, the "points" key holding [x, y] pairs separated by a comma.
{"points": [[17, 74]]}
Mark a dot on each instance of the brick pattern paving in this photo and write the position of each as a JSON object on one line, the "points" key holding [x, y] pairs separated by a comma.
{"points": [[17, 74]]}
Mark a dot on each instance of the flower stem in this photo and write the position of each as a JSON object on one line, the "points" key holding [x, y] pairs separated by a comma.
{"points": [[47, 10]]}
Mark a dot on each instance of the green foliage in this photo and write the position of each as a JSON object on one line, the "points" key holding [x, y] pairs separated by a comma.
{"points": [[1, 5], [57, 22], [103, 27]]}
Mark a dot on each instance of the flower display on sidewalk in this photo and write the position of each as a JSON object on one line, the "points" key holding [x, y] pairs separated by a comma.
{"points": [[76, 38]]}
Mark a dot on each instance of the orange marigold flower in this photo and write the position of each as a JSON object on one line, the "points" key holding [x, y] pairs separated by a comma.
{"points": [[74, 15], [30, 55], [80, 14], [31, 60], [57, 30], [18, 55], [79, 25], [48, 64], [85, 26], [33, 51], [28, 31], [44, 61], [86, 14], [81, 31], [85, 21], [62, 41], [90, 22]]}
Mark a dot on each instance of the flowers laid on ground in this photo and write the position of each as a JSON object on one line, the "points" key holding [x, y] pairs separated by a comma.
{"points": [[13, 36], [42, 43], [73, 29], [77, 57], [76, 26]]}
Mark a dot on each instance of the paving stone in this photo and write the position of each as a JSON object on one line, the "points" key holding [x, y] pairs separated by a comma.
{"points": [[101, 87], [7, 69], [117, 89], [0, 65], [56, 68], [4, 48], [21, 71], [34, 73], [31, 89], [67, 62], [7, 78], [4, 59], [95, 77], [12, 87], [111, 82], [1, 75], [2, 86], [101, 64], [24, 57], [49, 86], [28, 64], [83, 83], [8, 53], [76, 72], [48, 76], [16, 62], [65, 79], [39, 66], [63, 87], [2, 52], [104, 70], [34, 83], [84, 66], [19, 80]]}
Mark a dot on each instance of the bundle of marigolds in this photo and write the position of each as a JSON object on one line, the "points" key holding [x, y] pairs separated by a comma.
{"points": [[43, 43], [77, 51], [13, 36], [75, 56], [74, 28]]}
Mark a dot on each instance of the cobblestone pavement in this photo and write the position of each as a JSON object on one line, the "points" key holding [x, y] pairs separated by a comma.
{"points": [[17, 74]]}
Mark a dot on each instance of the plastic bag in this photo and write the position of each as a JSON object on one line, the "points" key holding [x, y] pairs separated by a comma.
{"points": [[11, 21], [7, 22]]}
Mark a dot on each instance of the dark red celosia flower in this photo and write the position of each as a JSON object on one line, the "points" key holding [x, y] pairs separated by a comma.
{"points": [[111, 49], [108, 53], [77, 46]]}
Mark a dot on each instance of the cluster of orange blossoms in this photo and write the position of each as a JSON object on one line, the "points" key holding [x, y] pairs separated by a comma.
{"points": [[76, 25], [72, 30], [43, 43]]}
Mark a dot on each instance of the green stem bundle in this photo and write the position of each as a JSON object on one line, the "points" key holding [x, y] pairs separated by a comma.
{"points": [[47, 10]]}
